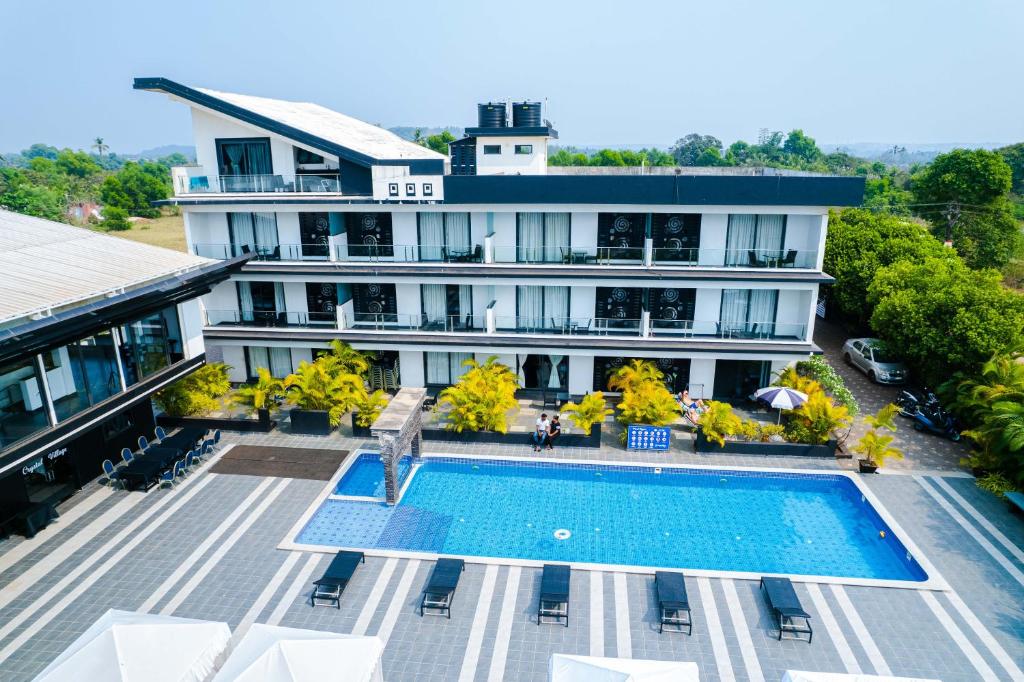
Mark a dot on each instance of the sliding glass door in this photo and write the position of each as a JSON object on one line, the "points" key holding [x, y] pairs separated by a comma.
{"points": [[542, 308], [444, 369], [447, 306], [245, 164], [444, 237], [748, 313], [755, 240], [256, 232], [542, 237]]}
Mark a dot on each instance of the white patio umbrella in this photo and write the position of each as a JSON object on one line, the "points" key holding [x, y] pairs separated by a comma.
{"points": [[781, 397], [566, 668], [804, 676], [123, 646], [268, 653]]}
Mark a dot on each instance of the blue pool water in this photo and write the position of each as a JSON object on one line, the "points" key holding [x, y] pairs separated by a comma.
{"points": [[808, 524], [365, 478]]}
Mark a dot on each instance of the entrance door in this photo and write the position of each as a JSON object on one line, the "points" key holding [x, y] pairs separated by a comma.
{"points": [[620, 236], [257, 301], [676, 237], [314, 233], [736, 380], [537, 372]]}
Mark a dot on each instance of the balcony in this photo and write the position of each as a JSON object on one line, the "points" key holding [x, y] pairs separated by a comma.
{"points": [[734, 258], [568, 326], [569, 255], [278, 252], [461, 324], [738, 331], [269, 318], [194, 180]]}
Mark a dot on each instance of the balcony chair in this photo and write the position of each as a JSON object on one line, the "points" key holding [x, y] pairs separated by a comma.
{"points": [[789, 260], [753, 261]]}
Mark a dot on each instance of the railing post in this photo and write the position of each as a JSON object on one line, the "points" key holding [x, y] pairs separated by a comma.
{"points": [[490, 324], [648, 252], [341, 320], [645, 323]]}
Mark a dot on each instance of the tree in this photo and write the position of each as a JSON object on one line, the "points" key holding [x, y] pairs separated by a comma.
{"points": [[943, 316], [1014, 157], [135, 187], [860, 242], [633, 374], [196, 393], [40, 150], [972, 177], [439, 143], [801, 146], [77, 164], [100, 146], [985, 238], [350, 361], [115, 219], [18, 193], [592, 409], [688, 150], [816, 420], [482, 397], [718, 421], [263, 393], [607, 157], [320, 385]]}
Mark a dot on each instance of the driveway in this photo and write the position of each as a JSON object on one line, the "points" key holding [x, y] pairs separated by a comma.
{"points": [[920, 450]]}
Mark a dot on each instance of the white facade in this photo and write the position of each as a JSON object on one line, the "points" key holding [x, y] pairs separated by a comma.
{"points": [[721, 294]]}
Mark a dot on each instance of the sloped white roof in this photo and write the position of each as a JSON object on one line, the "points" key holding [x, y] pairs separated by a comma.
{"points": [[48, 265], [345, 131]]}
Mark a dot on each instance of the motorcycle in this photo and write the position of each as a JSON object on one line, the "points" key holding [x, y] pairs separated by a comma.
{"points": [[936, 420], [911, 401]]}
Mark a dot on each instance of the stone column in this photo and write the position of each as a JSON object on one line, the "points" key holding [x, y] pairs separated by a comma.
{"points": [[390, 454]]}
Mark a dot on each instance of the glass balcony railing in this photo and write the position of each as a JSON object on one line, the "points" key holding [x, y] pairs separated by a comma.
{"points": [[782, 331], [409, 253], [269, 318], [571, 326], [569, 255], [265, 252], [192, 180], [407, 322], [735, 258]]}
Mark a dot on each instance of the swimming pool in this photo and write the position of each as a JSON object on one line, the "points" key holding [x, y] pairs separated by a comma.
{"points": [[365, 477], [716, 520]]}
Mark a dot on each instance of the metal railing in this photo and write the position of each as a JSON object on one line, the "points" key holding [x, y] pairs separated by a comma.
{"points": [[408, 253], [270, 318], [191, 180], [570, 326], [729, 330], [735, 258], [275, 252], [569, 255], [407, 322]]}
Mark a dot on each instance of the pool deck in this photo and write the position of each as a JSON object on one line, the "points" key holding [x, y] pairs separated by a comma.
{"points": [[208, 549]]}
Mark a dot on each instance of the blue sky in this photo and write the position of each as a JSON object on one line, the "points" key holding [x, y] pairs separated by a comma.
{"points": [[898, 71]]}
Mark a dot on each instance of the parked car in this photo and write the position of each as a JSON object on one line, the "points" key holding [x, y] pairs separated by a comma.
{"points": [[874, 359]]}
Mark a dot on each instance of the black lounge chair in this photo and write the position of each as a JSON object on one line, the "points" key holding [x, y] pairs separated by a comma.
{"points": [[335, 579], [554, 594], [673, 603], [785, 606], [440, 589]]}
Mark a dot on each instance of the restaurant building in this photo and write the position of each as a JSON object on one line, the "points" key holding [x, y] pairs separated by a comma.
{"points": [[90, 327]]}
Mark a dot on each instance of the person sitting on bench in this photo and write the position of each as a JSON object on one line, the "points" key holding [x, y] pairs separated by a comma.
{"points": [[554, 431], [540, 433]]}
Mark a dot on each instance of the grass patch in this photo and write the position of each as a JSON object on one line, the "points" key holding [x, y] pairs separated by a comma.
{"points": [[167, 231]]}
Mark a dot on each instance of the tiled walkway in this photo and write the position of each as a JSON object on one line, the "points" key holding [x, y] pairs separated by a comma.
{"points": [[207, 549]]}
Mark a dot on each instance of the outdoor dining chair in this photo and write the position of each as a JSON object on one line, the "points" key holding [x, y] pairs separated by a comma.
{"points": [[126, 455], [160, 434], [170, 477], [112, 475], [143, 444]]}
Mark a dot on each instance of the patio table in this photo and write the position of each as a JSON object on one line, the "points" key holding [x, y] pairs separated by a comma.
{"points": [[185, 439], [142, 473], [167, 456]]}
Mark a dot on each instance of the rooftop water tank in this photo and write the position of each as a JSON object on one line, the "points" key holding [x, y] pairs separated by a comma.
{"points": [[526, 115], [492, 115]]}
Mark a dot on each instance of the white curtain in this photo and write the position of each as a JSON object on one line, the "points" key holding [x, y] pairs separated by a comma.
{"points": [[465, 303], [279, 303], [531, 306], [556, 236], [437, 368], [265, 230], [556, 305], [554, 381], [740, 238], [242, 231], [762, 310], [431, 235], [530, 237], [734, 309], [435, 305], [456, 232], [258, 357], [456, 368], [521, 360], [245, 300], [771, 231], [280, 362]]}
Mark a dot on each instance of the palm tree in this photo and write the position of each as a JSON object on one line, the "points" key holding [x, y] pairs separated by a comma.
{"points": [[261, 394], [100, 146], [349, 360], [876, 448], [320, 386], [631, 376]]}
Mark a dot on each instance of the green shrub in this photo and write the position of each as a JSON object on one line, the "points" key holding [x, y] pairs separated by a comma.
{"points": [[592, 409], [481, 398], [321, 385], [196, 393], [368, 406], [816, 367], [263, 393], [719, 421], [997, 484]]}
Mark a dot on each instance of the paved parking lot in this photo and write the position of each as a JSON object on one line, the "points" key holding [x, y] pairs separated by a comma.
{"points": [[920, 450]]}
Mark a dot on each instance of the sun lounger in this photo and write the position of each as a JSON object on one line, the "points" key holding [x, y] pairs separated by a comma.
{"points": [[440, 589], [673, 603], [334, 580], [785, 606], [554, 594]]}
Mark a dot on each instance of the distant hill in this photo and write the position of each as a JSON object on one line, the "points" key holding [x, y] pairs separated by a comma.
{"points": [[165, 150]]}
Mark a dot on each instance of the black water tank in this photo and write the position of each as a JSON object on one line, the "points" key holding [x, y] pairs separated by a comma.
{"points": [[492, 115], [526, 115]]}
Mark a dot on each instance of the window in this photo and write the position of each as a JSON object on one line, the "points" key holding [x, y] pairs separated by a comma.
{"points": [[256, 232], [444, 236], [150, 344], [304, 157], [542, 237], [492, 149], [22, 410], [444, 369], [410, 189], [86, 372], [749, 313], [428, 189], [245, 165], [754, 240], [392, 189], [541, 307], [524, 149], [115, 426]]}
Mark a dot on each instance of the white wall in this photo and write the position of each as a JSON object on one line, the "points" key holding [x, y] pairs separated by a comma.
{"points": [[581, 374], [707, 305], [295, 299], [223, 296], [794, 307], [288, 232], [234, 357], [582, 301], [411, 368], [504, 237], [404, 232], [408, 301], [508, 162], [208, 229], [505, 306], [583, 229], [702, 374], [301, 354], [713, 230]]}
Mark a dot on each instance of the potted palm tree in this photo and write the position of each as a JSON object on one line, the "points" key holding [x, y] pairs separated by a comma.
{"points": [[875, 447], [588, 413], [261, 395], [321, 393], [366, 407]]}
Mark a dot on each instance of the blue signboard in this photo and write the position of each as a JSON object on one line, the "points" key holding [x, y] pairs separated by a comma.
{"points": [[644, 437]]}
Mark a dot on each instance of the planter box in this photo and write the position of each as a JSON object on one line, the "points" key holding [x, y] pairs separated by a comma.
{"points": [[359, 431], [241, 424], [737, 447], [310, 422], [566, 440]]}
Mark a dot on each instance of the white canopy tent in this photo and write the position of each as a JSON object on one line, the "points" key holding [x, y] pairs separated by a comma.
{"points": [[566, 668], [269, 653], [804, 676], [123, 646]]}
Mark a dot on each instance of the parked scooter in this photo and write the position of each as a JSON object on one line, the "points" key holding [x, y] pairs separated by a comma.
{"points": [[911, 400], [936, 420]]}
